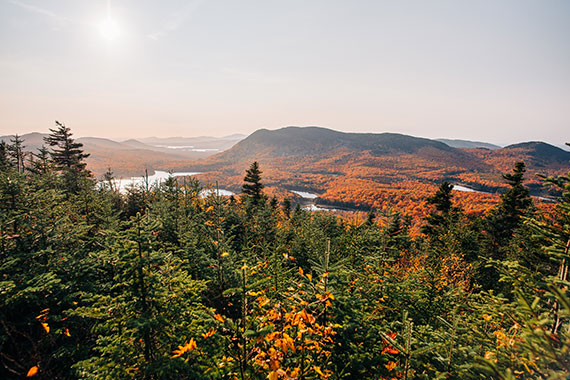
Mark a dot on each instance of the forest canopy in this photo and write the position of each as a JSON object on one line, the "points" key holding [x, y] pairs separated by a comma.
{"points": [[162, 282]]}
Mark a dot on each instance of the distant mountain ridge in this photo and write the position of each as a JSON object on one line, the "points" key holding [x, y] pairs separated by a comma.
{"points": [[131, 157], [318, 142], [541, 150], [456, 143], [318, 148], [340, 164]]}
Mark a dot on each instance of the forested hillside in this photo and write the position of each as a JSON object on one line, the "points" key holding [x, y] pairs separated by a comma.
{"points": [[380, 171], [165, 282]]}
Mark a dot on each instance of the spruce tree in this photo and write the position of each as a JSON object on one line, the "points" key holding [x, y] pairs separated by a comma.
{"points": [[16, 150], [252, 186], [438, 220], [67, 157], [4, 157], [65, 153], [40, 162], [515, 202]]}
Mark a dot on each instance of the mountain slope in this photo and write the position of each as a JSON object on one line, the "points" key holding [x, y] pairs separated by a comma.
{"points": [[373, 170], [541, 151], [315, 143], [455, 143]]}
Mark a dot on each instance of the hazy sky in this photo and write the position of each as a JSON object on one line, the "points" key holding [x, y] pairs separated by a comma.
{"points": [[494, 70]]}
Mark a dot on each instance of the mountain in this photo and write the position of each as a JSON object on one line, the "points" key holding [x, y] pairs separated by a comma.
{"points": [[100, 143], [539, 157], [316, 143], [32, 141], [363, 170], [541, 152], [196, 144], [468, 144], [131, 157]]}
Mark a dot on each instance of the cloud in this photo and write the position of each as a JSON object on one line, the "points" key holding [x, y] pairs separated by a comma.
{"points": [[176, 20]]}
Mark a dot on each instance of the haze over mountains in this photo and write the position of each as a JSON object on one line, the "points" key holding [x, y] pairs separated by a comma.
{"points": [[131, 157]]}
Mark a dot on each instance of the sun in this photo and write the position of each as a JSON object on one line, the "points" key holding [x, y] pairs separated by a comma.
{"points": [[109, 29]]}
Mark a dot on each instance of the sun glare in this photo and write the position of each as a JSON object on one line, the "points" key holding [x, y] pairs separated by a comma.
{"points": [[109, 29]]}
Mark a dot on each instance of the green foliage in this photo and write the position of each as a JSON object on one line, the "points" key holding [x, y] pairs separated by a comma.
{"points": [[161, 282], [252, 186]]}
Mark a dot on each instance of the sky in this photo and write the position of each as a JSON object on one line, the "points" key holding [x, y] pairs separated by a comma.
{"points": [[487, 70]]}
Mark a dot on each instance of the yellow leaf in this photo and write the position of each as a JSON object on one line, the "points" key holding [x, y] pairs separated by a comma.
{"points": [[32, 371], [390, 366], [46, 327], [301, 271], [67, 332], [219, 318], [188, 346], [273, 375], [225, 254], [209, 333], [209, 208], [310, 277], [318, 370]]}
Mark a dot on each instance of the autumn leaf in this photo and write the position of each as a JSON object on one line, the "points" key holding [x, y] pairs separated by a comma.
{"points": [[301, 271], [219, 318], [32, 372], [318, 370], [209, 333], [188, 346], [45, 326], [273, 375], [67, 332]]}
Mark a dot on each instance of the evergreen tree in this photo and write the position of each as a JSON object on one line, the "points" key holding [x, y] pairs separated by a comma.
{"points": [[41, 164], [438, 219], [67, 157], [505, 234], [507, 217], [252, 186], [66, 154], [5, 163], [286, 205], [16, 150]]}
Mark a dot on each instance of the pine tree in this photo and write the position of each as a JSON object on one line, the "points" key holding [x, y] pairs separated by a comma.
{"points": [[438, 219], [66, 153], [286, 205], [4, 156], [16, 150], [41, 163], [252, 186], [515, 202], [67, 157]]}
